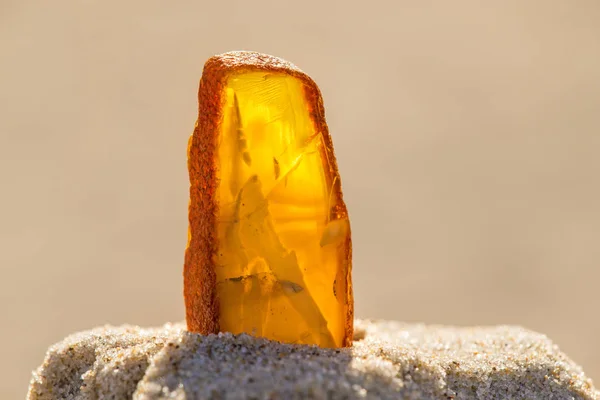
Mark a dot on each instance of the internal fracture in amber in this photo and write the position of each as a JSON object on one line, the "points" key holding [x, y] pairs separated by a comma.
{"points": [[269, 250]]}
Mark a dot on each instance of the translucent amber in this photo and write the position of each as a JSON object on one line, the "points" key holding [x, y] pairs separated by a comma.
{"points": [[277, 229]]}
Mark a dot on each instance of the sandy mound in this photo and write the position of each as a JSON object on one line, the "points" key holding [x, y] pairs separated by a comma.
{"points": [[388, 360]]}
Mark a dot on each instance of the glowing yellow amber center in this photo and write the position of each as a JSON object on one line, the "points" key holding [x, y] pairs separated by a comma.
{"points": [[278, 271]]}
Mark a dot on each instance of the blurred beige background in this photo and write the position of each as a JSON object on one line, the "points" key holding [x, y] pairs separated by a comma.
{"points": [[467, 135]]}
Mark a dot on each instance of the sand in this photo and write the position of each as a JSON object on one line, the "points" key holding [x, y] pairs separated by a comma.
{"points": [[389, 360]]}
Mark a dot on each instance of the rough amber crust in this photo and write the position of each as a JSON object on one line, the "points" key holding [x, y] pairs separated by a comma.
{"points": [[201, 301]]}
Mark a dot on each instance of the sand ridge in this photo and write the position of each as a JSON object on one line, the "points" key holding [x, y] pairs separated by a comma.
{"points": [[389, 360]]}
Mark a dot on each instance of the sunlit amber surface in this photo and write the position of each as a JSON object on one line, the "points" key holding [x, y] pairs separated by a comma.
{"points": [[269, 249], [278, 271]]}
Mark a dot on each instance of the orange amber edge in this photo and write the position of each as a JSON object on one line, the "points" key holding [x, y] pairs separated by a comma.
{"points": [[201, 300]]}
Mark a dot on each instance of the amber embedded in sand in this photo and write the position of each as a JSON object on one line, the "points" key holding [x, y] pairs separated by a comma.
{"points": [[269, 250]]}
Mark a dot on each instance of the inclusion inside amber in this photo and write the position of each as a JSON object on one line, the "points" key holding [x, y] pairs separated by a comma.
{"points": [[279, 273]]}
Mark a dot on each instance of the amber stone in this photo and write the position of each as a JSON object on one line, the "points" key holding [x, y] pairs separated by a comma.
{"points": [[269, 249]]}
